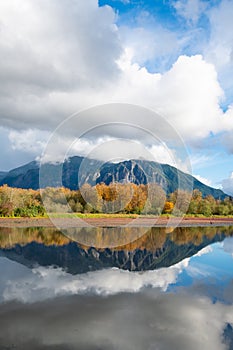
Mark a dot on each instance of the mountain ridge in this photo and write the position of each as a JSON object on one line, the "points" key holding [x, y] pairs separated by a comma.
{"points": [[128, 171]]}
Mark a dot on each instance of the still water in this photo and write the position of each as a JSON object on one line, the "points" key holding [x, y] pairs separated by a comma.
{"points": [[167, 289]]}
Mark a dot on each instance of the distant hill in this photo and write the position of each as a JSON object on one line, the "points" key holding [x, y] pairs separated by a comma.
{"points": [[2, 174], [133, 171]]}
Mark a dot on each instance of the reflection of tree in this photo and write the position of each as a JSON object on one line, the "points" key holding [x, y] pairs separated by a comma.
{"points": [[154, 238], [21, 236]]}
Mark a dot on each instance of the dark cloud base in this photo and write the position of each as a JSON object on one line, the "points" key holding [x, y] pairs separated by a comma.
{"points": [[147, 320]]}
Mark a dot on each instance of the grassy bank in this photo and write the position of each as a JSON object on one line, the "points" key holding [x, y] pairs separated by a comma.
{"points": [[116, 216]]}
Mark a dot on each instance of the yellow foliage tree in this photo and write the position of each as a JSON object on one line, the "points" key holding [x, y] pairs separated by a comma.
{"points": [[168, 207]]}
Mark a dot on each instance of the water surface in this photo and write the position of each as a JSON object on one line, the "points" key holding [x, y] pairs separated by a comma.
{"points": [[164, 290]]}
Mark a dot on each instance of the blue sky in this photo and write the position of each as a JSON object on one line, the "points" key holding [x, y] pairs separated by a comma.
{"points": [[151, 14], [174, 57]]}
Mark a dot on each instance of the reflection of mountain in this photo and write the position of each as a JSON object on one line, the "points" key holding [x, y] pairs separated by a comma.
{"points": [[228, 336], [134, 171], [155, 249]]}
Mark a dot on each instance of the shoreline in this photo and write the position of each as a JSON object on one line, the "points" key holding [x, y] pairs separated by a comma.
{"points": [[115, 222]]}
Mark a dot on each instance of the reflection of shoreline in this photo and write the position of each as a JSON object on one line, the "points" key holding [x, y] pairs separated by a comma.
{"points": [[115, 222], [157, 248], [153, 239]]}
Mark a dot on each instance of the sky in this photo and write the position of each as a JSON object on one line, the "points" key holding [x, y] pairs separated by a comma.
{"points": [[171, 57]]}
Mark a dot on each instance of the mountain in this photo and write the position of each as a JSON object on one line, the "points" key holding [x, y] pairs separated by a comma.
{"points": [[134, 171], [2, 174], [18, 177]]}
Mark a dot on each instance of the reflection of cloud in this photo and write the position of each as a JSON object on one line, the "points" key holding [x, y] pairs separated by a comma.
{"points": [[228, 245], [139, 321], [42, 283], [206, 250], [109, 309], [196, 269]]}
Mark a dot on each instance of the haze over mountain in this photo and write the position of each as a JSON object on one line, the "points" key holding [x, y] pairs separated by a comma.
{"points": [[75, 174]]}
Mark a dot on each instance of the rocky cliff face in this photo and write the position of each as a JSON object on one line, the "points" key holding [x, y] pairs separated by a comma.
{"points": [[125, 172], [151, 251]]}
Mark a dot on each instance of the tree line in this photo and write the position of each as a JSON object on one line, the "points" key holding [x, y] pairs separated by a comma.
{"points": [[113, 198]]}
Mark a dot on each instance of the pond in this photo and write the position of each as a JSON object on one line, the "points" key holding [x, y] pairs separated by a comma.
{"points": [[160, 289]]}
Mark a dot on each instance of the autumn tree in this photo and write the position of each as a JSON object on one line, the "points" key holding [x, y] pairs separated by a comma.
{"points": [[156, 198], [168, 207]]}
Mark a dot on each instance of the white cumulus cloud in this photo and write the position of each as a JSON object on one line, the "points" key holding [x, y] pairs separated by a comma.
{"points": [[203, 180], [47, 282], [78, 59], [227, 185]]}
